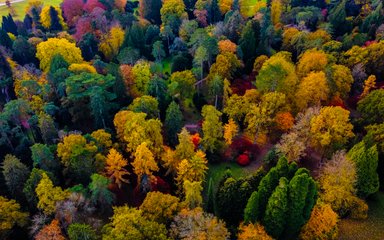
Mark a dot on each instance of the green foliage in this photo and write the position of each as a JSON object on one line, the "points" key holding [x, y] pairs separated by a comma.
{"points": [[173, 122], [15, 174], [372, 107], [366, 162], [79, 231], [100, 194]]}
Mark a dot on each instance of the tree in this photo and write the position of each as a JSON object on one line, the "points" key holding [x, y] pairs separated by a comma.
{"points": [[51, 231], [277, 208], [369, 85], [100, 194], [144, 164], [196, 224], [216, 87], [173, 123], [77, 156], [23, 51], [371, 107], [366, 161], [110, 43], [150, 10], [80, 231], [72, 10], [338, 19], [252, 232], [146, 104], [186, 148], [158, 51], [129, 223], [43, 158], [277, 74], [341, 81], [172, 12], [321, 225], [212, 128], [192, 191], [337, 181], [15, 174], [276, 10], [31, 184], [375, 135], [141, 77], [52, 19], [331, 128], [48, 195], [46, 50], [182, 84], [311, 61], [5, 40], [312, 91], [10, 216], [102, 140], [115, 167], [249, 40], [193, 169], [201, 56], [230, 131], [94, 87], [291, 146], [160, 207]]}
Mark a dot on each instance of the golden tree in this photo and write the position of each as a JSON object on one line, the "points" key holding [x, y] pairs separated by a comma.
{"points": [[51, 231], [230, 131], [253, 232], [10, 215], [115, 167], [144, 163]]}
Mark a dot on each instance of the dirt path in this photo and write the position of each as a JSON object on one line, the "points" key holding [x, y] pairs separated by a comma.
{"points": [[12, 2]]}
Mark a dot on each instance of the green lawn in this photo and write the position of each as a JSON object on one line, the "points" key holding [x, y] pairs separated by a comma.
{"points": [[371, 228], [21, 6]]}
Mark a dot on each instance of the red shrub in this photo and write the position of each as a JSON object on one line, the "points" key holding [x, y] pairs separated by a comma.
{"points": [[196, 140], [243, 160], [160, 185]]}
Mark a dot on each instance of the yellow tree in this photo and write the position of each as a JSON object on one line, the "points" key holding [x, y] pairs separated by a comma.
{"points": [[10, 215], [78, 68], [144, 163], [160, 207], [45, 17], [312, 60], [193, 169], [172, 9], [46, 50], [170, 161], [48, 195], [313, 90], [185, 149], [141, 73], [192, 191], [225, 6], [119, 122], [111, 42], [212, 128], [369, 85], [230, 131], [253, 232], [102, 139], [276, 10], [321, 225], [115, 167], [226, 46], [331, 127], [341, 80]]}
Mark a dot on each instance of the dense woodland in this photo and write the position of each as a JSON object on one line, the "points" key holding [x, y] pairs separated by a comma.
{"points": [[132, 120]]}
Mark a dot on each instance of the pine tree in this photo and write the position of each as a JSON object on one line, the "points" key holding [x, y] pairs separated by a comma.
{"points": [[173, 123], [55, 22], [215, 14]]}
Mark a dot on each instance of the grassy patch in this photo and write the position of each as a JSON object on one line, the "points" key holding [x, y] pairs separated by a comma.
{"points": [[21, 6], [372, 228]]}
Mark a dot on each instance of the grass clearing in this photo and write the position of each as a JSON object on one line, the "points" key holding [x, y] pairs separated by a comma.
{"points": [[371, 228], [21, 6]]}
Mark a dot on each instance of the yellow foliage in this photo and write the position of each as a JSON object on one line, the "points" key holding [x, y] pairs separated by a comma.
{"points": [[276, 10], [174, 8], [45, 17], [369, 85], [111, 42], [102, 138], [192, 191], [331, 126], [11, 36], [10, 215], [252, 232], [73, 146], [48, 195], [119, 122], [313, 90], [46, 50], [144, 163], [115, 167], [193, 169], [37, 4], [82, 67], [225, 6], [230, 131], [227, 46], [311, 60], [160, 207], [321, 225], [169, 160]]}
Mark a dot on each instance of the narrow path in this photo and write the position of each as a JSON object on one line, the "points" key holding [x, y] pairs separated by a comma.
{"points": [[12, 2]]}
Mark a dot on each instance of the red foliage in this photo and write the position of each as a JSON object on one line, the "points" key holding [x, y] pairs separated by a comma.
{"points": [[72, 10], [92, 4], [160, 185], [337, 102], [196, 140], [83, 26], [239, 86], [241, 145], [201, 17], [243, 160]]}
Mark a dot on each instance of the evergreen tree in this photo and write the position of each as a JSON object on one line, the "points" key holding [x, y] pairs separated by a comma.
{"points": [[15, 174], [173, 122], [89, 46], [249, 41], [5, 40], [55, 22], [214, 13], [9, 25], [210, 206], [338, 20]]}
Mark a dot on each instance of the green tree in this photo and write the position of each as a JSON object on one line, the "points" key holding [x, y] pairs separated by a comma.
{"points": [[158, 51], [173, 123], [372, 107], [100, 194], [15, 175], [366, 162], [146, 104], [277, 209], [201, 56], [80, 231], [31, 184], [43, 158]]}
